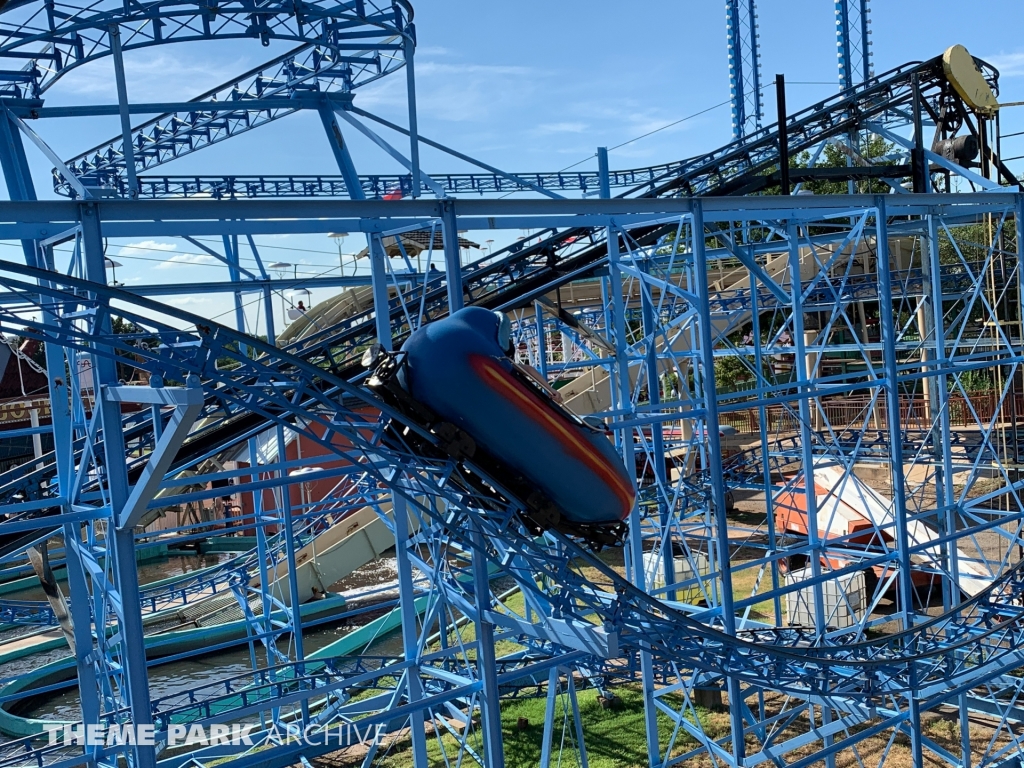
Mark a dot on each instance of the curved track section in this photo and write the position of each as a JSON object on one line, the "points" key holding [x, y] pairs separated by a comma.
{"points": [[515, 276], [577, 608], [282, 386], [735, 168], [342, 46], [56, 38]]}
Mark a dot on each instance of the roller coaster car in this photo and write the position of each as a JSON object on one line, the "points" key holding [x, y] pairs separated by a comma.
{"points": [[454, 381]]}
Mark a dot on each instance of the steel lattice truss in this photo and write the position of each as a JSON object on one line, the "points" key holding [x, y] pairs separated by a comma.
{"points": [[744, 67], [843, 337], [853, 39], [59, 37], [851, 678], [276, 89], [734, 168]]}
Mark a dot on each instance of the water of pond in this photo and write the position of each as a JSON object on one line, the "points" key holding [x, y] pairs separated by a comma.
{"points": [[165, 679], [149, 571]]}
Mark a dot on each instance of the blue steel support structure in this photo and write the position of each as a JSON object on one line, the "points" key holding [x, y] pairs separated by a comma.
{"points": [[621, 384], [20, 187], [662, 284], [639, 622], [908, 612], [744, 67], [700, 174], [717, 500], [853, 40]]}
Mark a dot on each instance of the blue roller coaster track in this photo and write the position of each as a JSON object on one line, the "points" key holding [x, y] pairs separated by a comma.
{"points": [[632, 301]]}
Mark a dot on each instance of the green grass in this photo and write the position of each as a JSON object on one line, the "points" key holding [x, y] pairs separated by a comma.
{"points": [[745, 584], [514, 604], [614, 738]]}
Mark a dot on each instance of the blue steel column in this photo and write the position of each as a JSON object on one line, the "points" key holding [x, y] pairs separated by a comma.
{"points": [[379, 285], [340, 151], [20, 187], [59, 405], [399, 511], [406, 593], [854, 44], [122, 104], [634, 553], [235, 275], [261, 520], [410, 87], [549, 718], [378, 265], [452, 263], [711, 426], [122, 542], [382, 313], [294, 598], [744, 67], [899, 491], [262, 554], [1018, 216], [487, 667], [17, 174], [806, 435], [945, 473], [932, 296], [650, 325], [410, 643], [807, 451], [892, 395], [490, 697], [853, 39], [63, 442], [542, 340], [762, 418], [577, 721]]}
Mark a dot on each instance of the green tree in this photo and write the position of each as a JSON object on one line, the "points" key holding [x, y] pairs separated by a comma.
{"points": [[975, 240], [874, 149]]}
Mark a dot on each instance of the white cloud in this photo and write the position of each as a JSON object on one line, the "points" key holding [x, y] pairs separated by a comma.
{"points": [[143, 246], [570, 127], [638, 132], [433, 68], [152, 75], [1008, 64], [521, 112], [470, 93], [184, 259], [152, 249], [431, 50], [180, 301]]}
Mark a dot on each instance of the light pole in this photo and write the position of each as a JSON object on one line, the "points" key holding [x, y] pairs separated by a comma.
{"points": [[112, 266], [339, 238], [280, 267]]}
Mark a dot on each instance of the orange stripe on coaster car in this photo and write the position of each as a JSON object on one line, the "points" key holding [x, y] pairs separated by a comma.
{"points": [[572, 441]]}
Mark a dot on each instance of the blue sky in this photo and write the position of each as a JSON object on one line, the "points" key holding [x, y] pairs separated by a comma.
{"points": [[537, 85]]}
